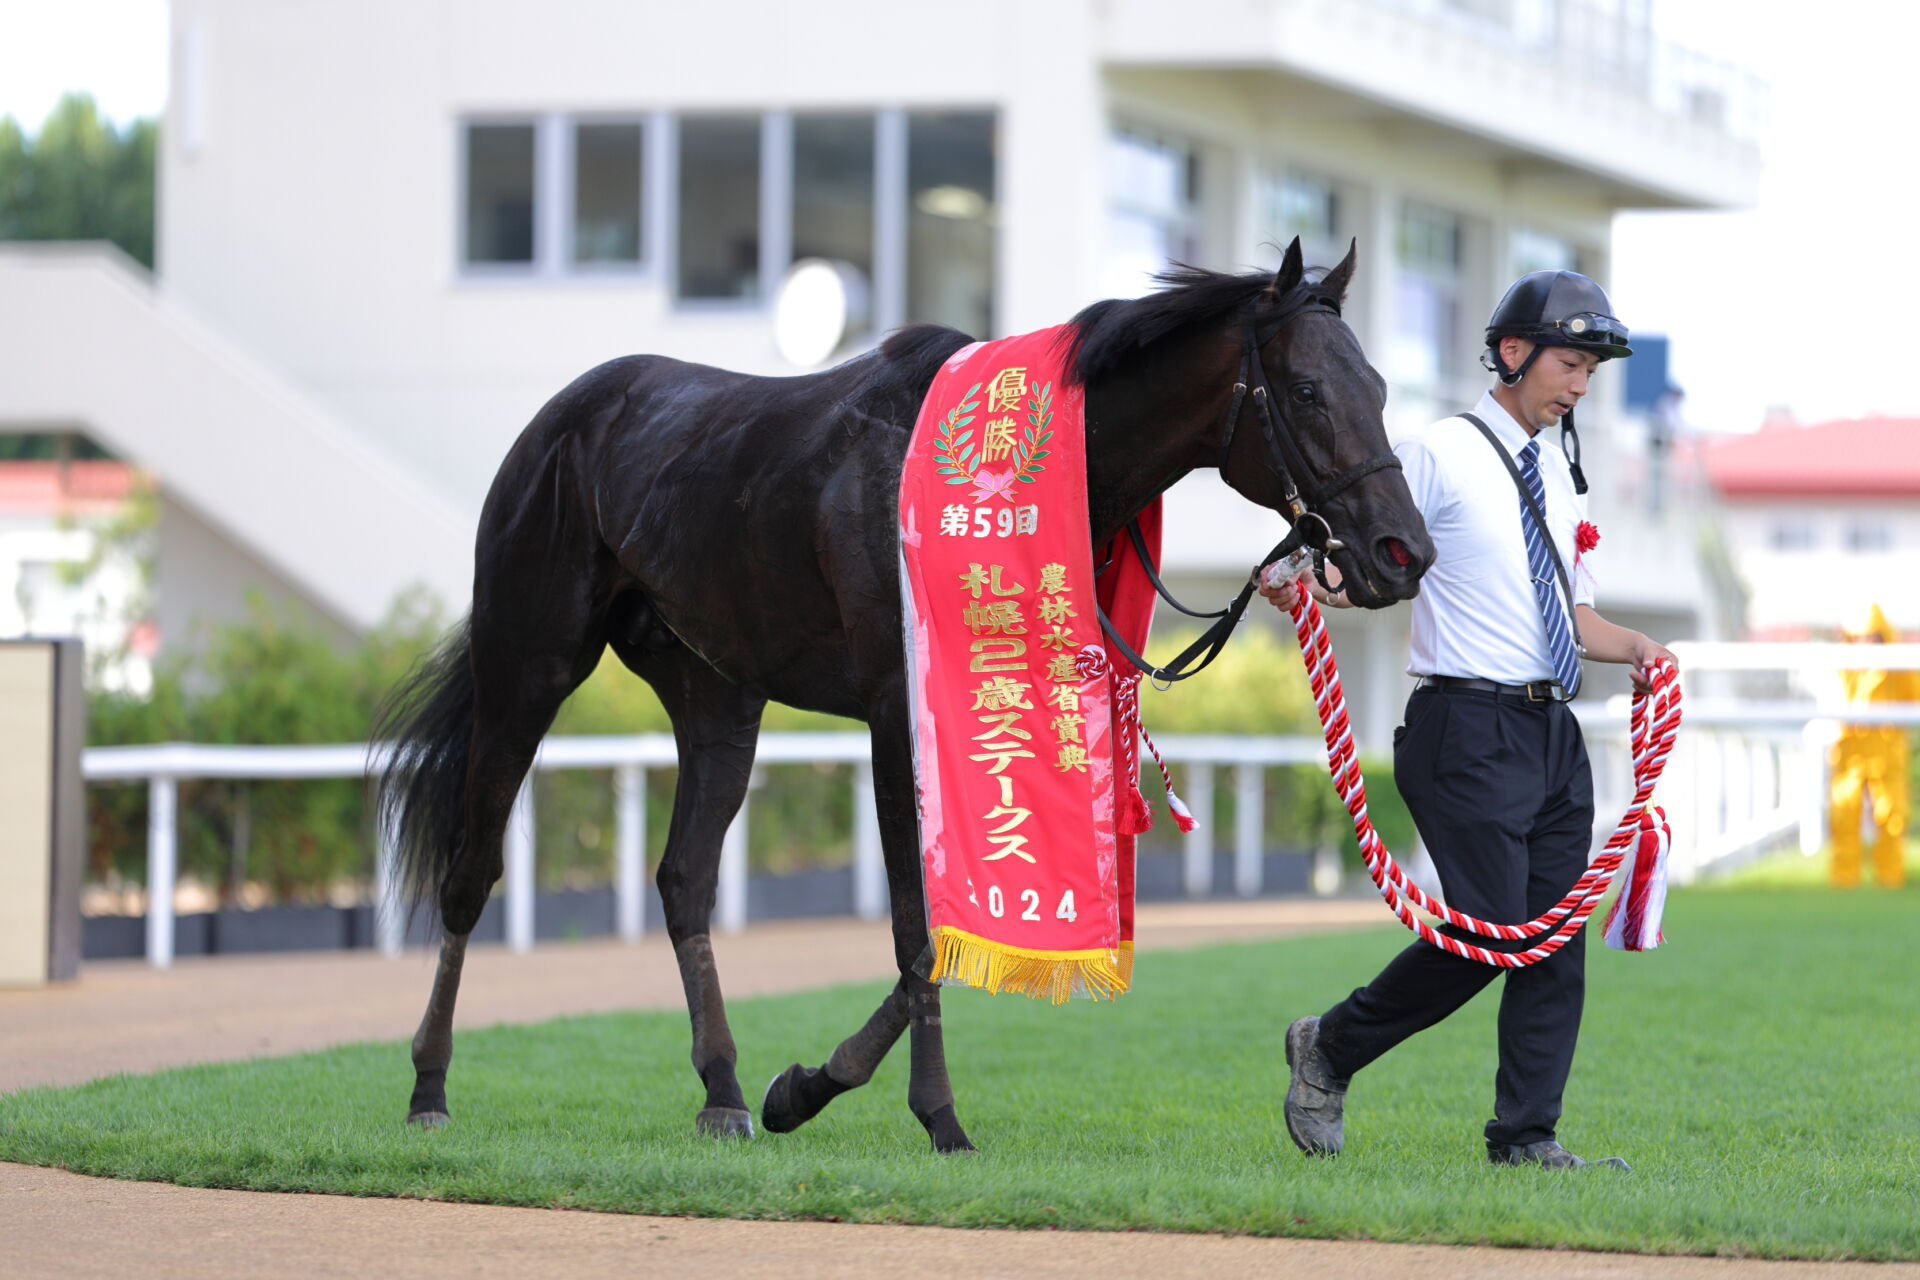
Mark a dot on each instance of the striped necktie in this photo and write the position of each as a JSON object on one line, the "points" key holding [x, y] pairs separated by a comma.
{"points": [[1566, 662]]}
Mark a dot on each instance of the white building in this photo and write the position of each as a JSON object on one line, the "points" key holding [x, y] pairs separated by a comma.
{"points": [[389, 231], [1824, 520]]}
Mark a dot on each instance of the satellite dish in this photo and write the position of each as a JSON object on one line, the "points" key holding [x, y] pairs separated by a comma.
{"points": [[821, 303]]}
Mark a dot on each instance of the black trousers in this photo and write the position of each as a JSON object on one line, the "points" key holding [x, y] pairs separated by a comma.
{"points": [[1503, 796]]}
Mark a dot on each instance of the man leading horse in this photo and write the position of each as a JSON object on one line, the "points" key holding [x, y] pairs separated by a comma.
{"points": [[1490, 759]]}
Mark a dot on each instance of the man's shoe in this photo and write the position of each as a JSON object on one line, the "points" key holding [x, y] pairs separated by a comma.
{"points": [[1316, 1099], [1548, 1155]]}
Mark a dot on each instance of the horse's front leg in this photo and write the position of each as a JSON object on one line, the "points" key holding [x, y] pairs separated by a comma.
{"points": [[800, 1093]]}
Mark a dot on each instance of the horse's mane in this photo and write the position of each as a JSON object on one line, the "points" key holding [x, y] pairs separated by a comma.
{"points": [[1107, 335], [916, 344]]}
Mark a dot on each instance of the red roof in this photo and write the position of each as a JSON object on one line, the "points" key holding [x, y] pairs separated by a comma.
{"points": [[89, 487], [1857, 457]]}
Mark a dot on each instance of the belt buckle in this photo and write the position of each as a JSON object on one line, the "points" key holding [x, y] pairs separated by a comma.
{"points": [[1545, 693]]}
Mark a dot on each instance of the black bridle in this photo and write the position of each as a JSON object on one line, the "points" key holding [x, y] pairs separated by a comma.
{"points": [[1302, 494]]}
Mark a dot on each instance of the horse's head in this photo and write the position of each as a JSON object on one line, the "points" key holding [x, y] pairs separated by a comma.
{"points": [[1310, 442]]}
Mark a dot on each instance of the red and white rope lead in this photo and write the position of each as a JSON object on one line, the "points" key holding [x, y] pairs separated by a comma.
{"points": [[1655, 721]]}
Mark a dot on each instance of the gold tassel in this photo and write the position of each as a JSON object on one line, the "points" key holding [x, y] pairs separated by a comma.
{"points": [[1058, 976]]}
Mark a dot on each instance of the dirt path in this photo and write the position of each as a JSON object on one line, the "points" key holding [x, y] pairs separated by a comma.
{"points": [[122, 1016], [60, 1224]]}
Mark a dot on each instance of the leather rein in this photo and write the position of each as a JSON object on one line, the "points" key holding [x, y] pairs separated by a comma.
{"points": [[1302, 494]]}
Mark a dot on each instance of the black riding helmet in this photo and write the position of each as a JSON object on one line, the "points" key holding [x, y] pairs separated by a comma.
{"points": [[1555, 309]]}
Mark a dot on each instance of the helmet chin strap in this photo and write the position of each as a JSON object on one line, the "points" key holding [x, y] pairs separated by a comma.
{"points": [[1570, 445], [1569, 435], [1493, 363]]}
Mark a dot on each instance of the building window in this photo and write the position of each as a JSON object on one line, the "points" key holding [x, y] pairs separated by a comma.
{"points": [[500, 182], [1428, 341], [719, 207], [1298, 204], [1869, 535], [1791, 535], [951, 217], [714, 204], [833, 189], [608, 163], [1153, 208]]}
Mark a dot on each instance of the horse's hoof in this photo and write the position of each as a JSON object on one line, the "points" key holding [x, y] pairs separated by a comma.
{"points": [[944, 1128], [428, 1119], [778, 1111], [724, 1122]]}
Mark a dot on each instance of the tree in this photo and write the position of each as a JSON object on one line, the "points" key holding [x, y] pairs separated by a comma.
{"points": [[79, 179]]}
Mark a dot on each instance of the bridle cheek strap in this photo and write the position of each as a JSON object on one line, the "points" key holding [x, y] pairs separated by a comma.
{"points": [[1300, 493]]}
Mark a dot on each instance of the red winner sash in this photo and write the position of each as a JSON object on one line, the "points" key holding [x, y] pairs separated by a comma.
{"points": [[1022, 719]]}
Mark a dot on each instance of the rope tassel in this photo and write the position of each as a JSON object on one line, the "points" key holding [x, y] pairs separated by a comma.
{"points": [[1634, 922], [1182, 816]]}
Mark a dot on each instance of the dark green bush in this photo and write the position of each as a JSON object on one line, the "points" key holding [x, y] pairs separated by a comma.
{"points": [[277, 677]]}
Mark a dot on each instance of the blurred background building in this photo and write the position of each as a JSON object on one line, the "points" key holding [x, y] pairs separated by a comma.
{"points": [[1824, 520], [389, 231]]}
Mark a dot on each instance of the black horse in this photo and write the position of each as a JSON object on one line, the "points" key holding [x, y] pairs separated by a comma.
{"points": [[735, 540]]}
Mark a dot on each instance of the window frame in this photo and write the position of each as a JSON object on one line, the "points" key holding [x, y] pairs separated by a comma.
{"points": [[556, 172], [1187, 221], [643, 265], [464, 263]]}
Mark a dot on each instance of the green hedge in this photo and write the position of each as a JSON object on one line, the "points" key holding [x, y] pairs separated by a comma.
{"points": [[276, 677], [279, 677]]}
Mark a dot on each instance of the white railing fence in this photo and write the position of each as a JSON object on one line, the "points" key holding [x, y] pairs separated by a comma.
{"points": [[162, 767], [1748, 773], [1744, 776]]}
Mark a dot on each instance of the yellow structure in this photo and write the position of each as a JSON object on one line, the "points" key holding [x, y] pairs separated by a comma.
{"points": [[1870, 762]]}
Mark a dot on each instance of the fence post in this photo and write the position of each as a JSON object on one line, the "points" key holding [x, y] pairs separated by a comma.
{"points": [[519, 868], [730, 910], [630, 851], [1249, 819], [1815, 739], [1326, 874], [1199, 849], [161, 863], [389, 906], [869, 864]]}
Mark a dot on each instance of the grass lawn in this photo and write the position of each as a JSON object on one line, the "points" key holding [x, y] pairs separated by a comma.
{"points": [[1760, 1073], [1794, 870]]}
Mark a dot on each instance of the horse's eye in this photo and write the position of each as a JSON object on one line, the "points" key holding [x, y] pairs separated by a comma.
{"points": [[1303, 393]]}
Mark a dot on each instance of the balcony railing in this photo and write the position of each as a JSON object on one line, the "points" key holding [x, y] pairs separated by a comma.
{"points": [[1613, 47]]}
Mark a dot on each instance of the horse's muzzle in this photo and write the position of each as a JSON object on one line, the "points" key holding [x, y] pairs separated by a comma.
{"points": [[1385, 569]]}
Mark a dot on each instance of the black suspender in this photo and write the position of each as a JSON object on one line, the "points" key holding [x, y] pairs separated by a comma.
{"points": [[1539, 520]]}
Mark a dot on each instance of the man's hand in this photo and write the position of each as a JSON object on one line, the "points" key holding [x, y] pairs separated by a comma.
{"points": [[1282, 592], [1645, 655]]}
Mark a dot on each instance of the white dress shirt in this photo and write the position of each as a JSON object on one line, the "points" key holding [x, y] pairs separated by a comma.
{"points": [[1477, 614]]}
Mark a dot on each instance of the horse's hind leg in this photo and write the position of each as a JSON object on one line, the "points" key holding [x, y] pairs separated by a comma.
{"points": [[716, 726], [526, 657], [799, 1093]]}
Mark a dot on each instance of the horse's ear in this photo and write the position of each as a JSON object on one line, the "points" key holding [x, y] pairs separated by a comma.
{"points": [[1336, 281], [1292, 268]]}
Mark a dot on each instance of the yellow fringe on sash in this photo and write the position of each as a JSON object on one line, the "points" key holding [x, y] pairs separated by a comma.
{"points": [[1059, 976]]}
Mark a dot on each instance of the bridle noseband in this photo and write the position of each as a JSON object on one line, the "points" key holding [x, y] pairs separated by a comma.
{"points": [[1302, 493]]}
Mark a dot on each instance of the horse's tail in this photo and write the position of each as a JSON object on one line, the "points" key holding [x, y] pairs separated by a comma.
{"points": [[426, 725]]}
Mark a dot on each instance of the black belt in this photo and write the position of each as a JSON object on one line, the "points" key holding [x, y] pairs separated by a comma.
{"points": [[1538, 691]]}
